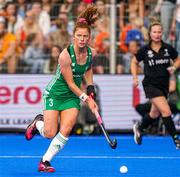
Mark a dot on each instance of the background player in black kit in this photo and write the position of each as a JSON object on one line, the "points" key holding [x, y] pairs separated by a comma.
{"points": [[160, 60]]}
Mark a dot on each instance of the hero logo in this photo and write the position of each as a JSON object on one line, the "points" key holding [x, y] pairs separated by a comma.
{"points": [[31, 95]]}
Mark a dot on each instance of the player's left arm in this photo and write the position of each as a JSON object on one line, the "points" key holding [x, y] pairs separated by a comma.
{"points": [[175, 65], [89, 78], [175, 60]]}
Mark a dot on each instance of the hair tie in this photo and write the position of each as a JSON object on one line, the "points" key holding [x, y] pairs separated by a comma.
{"points": [[82, 20]]}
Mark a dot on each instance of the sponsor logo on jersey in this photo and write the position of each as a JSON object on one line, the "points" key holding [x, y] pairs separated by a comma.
{"points": [[162, 61], [150, 53], [158, 62], [166, 53]]}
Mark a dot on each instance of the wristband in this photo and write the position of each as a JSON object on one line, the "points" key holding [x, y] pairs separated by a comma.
{"points": [[83, 97]]}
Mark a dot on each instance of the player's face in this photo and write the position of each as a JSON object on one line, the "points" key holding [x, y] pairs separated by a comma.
{"points": [[81, 37], [156, 33]]}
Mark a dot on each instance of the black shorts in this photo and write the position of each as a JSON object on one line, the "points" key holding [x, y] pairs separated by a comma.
{"points": [[152, 91]]}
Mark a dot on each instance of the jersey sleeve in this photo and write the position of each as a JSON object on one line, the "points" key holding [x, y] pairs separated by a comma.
{"points": [[140, 55], [173, 53]]}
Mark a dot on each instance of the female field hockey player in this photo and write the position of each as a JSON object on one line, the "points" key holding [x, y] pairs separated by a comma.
{"points": [[160, 60], [63, 94]]}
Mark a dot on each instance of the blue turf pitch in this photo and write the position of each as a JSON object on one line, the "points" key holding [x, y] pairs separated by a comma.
{"points": [[90, 156]]}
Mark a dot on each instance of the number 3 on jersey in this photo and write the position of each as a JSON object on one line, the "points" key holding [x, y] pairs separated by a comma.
{"points": [[50, 102]]}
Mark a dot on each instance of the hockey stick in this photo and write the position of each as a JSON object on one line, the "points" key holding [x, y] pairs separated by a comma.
{"points": [[112, 143]]}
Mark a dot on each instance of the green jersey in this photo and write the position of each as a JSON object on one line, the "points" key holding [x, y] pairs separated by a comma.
{"points": [[58, 88]]}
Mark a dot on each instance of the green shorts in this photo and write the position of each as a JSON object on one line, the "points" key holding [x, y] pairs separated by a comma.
{"points": [[51, 103]]}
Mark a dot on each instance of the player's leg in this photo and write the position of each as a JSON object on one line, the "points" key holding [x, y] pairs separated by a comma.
{"points": [[45, 124], [143, 108], [67, 121], [31, 130], [147, 120], [163, 106], [48, 128]]}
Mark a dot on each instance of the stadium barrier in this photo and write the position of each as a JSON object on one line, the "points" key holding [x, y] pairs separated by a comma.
{"points": [[21, 100]]}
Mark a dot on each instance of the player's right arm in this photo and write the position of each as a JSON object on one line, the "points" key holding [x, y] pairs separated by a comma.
{"points": [[134, 71], [65, 66]]}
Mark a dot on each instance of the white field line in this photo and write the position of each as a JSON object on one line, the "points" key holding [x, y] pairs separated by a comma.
{"points": [[92, 157]]}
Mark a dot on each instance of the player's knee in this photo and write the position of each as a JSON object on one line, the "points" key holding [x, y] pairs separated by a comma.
{"points": [[49, 134], [154, 114], [66, 130]]}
